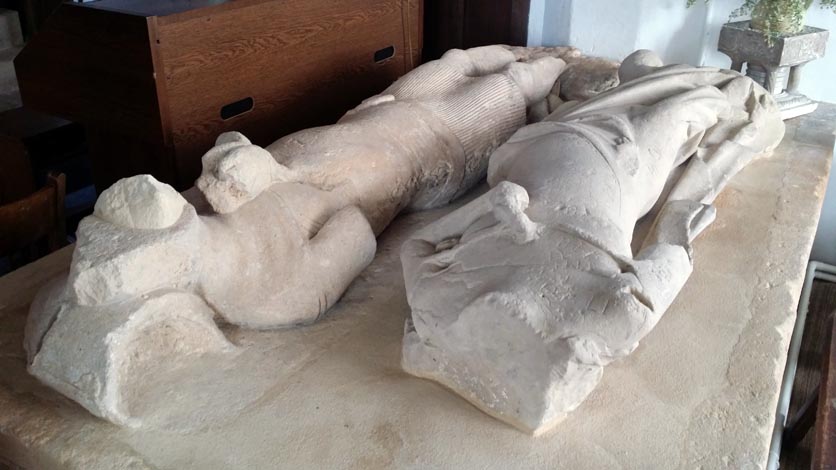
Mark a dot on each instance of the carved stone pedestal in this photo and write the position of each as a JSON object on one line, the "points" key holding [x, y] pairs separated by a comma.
{"points": [[777, 67]]}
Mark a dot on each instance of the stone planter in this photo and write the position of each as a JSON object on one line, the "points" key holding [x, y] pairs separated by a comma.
{"points": [[776, 67]]}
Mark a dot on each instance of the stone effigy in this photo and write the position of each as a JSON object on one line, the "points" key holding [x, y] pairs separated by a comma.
{"points": [[290, 227], [521, 297], [583, 77]]}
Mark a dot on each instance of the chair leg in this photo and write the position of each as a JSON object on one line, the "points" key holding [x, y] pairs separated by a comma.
{"points": [[58, 235], [800, 424]]}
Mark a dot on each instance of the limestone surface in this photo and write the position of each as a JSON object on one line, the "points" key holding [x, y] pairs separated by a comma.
{"points": [[701, 391], [288, 229], [140, 203], [583, 77], [520, 298]]}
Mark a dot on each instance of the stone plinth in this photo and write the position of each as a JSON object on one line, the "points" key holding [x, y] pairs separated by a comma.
{"points": [[776, 65], [699, 392]]}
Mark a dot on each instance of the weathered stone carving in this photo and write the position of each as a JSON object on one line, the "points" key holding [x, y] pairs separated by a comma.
{"points": [[583, 77], [292, 225], [522, 296], [775, 62]]}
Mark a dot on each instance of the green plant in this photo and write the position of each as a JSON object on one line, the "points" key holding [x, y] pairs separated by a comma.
{"points": [[776, 17]]}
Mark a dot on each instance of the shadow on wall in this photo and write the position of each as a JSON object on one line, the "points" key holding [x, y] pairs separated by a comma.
{"points": [[673, 31]]}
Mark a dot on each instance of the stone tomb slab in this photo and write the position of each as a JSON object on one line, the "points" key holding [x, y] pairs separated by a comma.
{"points": [[700, 391]]}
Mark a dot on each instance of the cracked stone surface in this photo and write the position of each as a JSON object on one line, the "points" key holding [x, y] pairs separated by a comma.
{"points": [[699, 392]]}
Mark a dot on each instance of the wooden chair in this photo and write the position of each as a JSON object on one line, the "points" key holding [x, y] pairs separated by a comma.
{"points": [[819, 411], [40, 216]]}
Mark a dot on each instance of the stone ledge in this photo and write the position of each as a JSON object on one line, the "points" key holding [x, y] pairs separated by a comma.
{"points": [[700, 391]]}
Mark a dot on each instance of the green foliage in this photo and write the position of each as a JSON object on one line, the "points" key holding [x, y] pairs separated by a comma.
{"points": [[776, 17]]}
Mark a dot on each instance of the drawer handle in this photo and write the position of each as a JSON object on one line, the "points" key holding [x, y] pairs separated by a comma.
{"points": [[237, 108], [385, 53]]}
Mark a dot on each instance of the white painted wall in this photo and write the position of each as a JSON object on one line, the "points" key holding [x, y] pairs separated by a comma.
{"points": [[557, 20], [614, 28], [678, 32]]}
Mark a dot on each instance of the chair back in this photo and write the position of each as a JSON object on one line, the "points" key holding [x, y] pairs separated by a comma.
{"points": [[25, 222]]}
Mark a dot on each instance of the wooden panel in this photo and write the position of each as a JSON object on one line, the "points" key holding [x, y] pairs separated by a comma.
{"points": [[32, 13], [414, 31], [518, 29], [149, 8], [469, 23], [824, 451], [150, 89], [93, 67], [28, 140], [486, 22], [495, 22], [16, 179], [304, 63], [443, 27], [115, 155], [32, 218]]}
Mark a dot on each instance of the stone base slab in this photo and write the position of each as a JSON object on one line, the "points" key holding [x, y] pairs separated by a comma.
{"points": [[699, 392]]}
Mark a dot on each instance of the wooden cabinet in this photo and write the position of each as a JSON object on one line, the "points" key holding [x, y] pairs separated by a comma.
{"points": [[469, 23], [155, 81]]}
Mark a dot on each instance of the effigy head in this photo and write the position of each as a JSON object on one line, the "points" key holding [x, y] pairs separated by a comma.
{"points": [[638, 64]]}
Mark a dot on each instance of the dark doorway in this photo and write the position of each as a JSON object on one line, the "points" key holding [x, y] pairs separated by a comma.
{"points": [[461, 24], [32, 13]]}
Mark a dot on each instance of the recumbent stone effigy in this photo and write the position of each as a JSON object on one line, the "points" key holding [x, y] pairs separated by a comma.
{"points": [[521, 297], [291, 226]]}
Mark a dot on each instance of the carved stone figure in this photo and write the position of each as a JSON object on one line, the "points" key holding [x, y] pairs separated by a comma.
{"points": [[521, 297], [583, 77], [292, 225]]}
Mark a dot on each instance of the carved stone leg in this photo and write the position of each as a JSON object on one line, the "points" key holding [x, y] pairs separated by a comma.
{"points": [[664, 263], [771, 81], [795, 78], [771, 78]]}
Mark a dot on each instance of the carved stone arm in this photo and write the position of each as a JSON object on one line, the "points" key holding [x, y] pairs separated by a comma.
{"points": [[665, 261]]}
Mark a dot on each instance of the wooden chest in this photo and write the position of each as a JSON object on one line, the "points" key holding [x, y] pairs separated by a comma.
{"points": [[155, 81]]}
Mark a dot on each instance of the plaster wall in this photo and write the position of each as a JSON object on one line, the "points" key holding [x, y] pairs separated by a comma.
{"points": [[536, 21], [613, 29]]}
